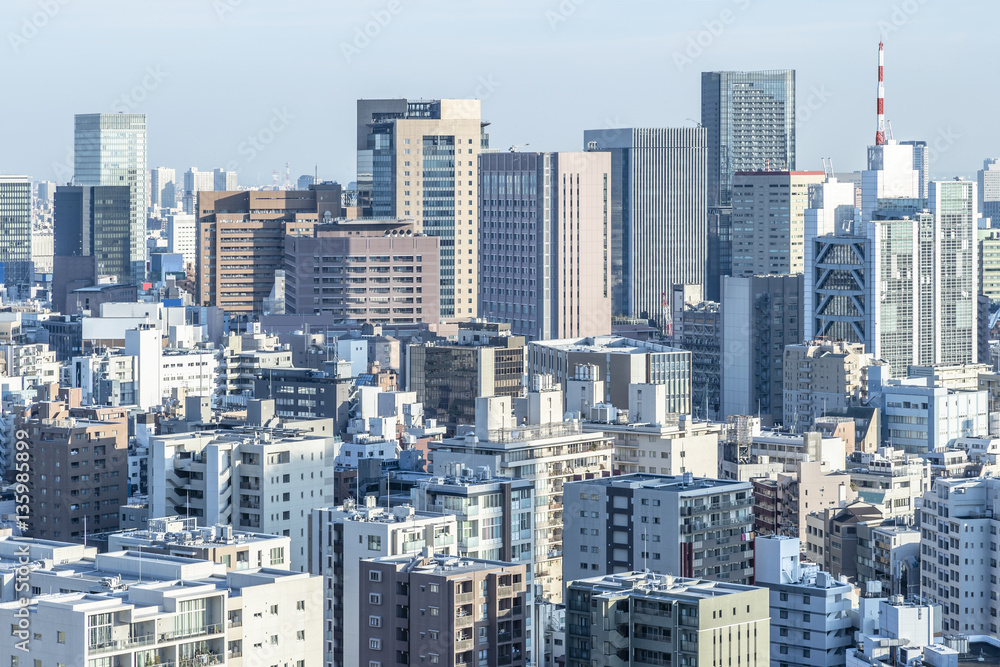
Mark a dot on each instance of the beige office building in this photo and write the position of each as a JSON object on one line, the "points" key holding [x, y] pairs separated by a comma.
{"points": [[420, 160], [821, 378], [769, 221]]}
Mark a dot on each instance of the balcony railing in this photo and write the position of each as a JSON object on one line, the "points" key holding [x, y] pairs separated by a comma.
{"points": [[122, 644], [212, 629]]}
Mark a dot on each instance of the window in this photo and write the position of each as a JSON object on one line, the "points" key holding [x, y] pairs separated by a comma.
{"points": [[274, 610], [374, 663], [300, 635], [300, 605], [277, 556], [60, 637], [375, 598], [375, 644], [374, 621], [274, 640], [374, 575], [435, 611], [375, 543], [435, 588]]}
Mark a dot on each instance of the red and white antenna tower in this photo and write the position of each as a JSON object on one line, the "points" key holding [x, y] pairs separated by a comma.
{"points": [[880, 132]]}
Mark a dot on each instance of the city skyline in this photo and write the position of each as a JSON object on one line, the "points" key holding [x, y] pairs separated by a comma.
{"points": [[834, 62]]}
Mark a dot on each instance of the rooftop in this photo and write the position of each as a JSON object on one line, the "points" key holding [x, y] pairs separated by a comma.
{"points": [[669, 483], [661, 586]]}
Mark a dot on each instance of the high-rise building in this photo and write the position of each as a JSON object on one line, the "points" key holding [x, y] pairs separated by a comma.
{"points": [[224, 181], [696, 326], [750, 119], [545, 242], [182, 238], [989, 191], [821, 377], [659, 619], [424, 160], [194, 182], [760, 316], [162, 187], [658, 190], [890, 175], [94, 222], [989, 263], [768, 221], [380, 272], [921, 163], [682, 525], [476, 611], [241, 241], [340, 541], [110, 150], [15, 230]]}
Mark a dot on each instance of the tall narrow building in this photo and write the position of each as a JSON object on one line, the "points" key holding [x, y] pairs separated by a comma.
{"points": [[750, 120], [419, 160], [110, 150], [658, 190], [545, 244], [94, 221], [15, 230]]}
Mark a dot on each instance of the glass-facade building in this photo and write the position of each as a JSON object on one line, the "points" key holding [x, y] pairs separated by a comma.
{"points": [[750, 119], [15, 230], [95, 222], [110, 150]]}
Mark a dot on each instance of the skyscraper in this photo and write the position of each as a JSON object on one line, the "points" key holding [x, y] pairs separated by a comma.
{"points": [[15, 230], [658, 190], [194, 182], [768, 221], [419, 160], [545, 243], [110, 150], [989, 190], [224, 181], [162, 187], [921, 163], [95, 222], [750, 119]]}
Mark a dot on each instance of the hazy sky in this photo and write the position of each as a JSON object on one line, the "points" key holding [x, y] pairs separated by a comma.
{"points": [[258, 83]]}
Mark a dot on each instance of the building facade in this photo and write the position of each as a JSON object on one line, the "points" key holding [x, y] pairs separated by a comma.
{"points": [[658, 209], [545, 242], [15, 226], [109, 149]]}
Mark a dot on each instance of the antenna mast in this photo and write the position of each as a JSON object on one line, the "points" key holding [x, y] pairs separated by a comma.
{"points": [[880, 132]]}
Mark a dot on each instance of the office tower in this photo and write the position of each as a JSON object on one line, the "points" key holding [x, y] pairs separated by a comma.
{"points": [[810, 623], [921, 163], [760, 316], [238, 275], [832, 306], [475, 611], [305, 181], [78, 466], [658, 191], [380, 272], [890, 175], [46, 192], [750, 120], [988, 179], [659, 619], [15, 230], [424, 157], [821, 377], [341, 539], [224, 181], [682, 525], [545, 244], [110, 150], [162, 188], [955, 285], [194, 182], [505, 439], [923, 416], [696, 326], [182, 238], [619, 363], [447, 378], [256, 479], [95, 222], [769, 221]]}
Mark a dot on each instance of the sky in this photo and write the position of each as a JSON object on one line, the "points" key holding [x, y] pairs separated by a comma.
{"points": [[254, 85]]}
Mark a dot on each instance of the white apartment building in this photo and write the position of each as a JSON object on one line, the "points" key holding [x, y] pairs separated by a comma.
{"points": [[242, 358], [920, 417], [890, 479], [263, 480], [131, 608], [182, 237], [340, 537]]}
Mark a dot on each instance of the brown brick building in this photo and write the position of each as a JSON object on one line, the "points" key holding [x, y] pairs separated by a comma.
{"points": [[241, 241], [78, 467], [442, 610]]}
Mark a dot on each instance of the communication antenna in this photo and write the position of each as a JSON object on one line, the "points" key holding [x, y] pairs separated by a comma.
{"points": [[880, 130]]}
